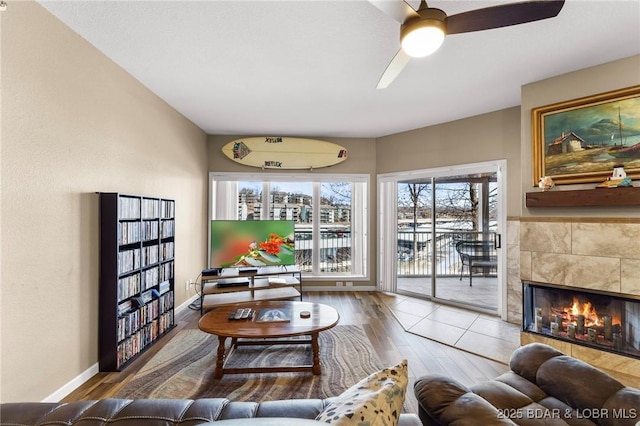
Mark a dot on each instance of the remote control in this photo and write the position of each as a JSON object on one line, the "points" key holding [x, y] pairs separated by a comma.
{"points": [[246, 313], [238, 314], [232, 315]]}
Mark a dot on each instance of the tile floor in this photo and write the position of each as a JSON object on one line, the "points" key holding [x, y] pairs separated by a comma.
{"points": [[474, 332]]}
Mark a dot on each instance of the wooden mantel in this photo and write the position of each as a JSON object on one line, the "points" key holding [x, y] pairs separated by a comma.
{"points": [[597, 197]]}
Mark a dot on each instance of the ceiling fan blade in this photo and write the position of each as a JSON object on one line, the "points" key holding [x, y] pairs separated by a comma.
{"points": [[397, 9], [393, 69], [503, 15]]}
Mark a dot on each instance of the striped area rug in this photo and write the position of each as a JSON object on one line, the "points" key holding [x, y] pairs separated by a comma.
{"points": [[183, 368]]}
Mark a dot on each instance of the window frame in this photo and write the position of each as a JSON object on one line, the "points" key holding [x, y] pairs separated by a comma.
{"points": [[223, 202]]}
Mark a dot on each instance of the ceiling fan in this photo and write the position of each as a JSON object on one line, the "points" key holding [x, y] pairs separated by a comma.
{"points": [[423, 30]]}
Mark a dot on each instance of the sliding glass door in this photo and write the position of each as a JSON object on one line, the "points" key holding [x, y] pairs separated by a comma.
{"points": [[447, 238], [466, 239], [414, 239]]}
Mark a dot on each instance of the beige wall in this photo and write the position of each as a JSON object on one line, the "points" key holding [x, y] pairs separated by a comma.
{"points": [[486, 137], [362, 160], [591, 81], [594, 247], [539, 221], [74, 123], [551, 227]]}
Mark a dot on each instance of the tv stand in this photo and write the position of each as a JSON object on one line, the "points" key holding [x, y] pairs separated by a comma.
{"points": [[265, 283]]}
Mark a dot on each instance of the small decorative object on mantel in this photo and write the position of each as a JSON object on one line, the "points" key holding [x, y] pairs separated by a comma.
{"points": [[619, 178], [546, 183], [618, 172]]}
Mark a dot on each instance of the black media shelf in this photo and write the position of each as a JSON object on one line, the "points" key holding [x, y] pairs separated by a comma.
{"points": [[136, 276]]}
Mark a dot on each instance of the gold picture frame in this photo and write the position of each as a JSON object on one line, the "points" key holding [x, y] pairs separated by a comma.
{"points": [[579, 141]]}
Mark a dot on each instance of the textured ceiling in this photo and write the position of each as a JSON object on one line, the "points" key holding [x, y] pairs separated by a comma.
{"points": [[310, 68]]}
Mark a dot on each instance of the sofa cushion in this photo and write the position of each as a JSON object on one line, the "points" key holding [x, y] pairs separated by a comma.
{"points": [[523, 385], [264, 421], [435, 393], [303, 408], [471, 409], [443, 400], [580, 385], [501, 395], [626, 403], [375, 400], [526, 360], [562, 412]]}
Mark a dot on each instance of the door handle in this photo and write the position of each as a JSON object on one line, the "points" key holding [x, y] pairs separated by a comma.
{"points": [[497, 241]]}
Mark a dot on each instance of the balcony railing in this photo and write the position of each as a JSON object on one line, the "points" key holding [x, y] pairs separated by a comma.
{"points": [[335, 250], [414, 258], [415, 252]]}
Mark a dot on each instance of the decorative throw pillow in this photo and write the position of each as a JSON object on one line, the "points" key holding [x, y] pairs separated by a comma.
{"points": [[375, 400]]}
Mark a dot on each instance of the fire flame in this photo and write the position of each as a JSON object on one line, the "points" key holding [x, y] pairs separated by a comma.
{"points": [[589, 312], [583, 316]]}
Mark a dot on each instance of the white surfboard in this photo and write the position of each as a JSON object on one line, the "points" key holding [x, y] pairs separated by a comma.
{"points": [[284, 152]]}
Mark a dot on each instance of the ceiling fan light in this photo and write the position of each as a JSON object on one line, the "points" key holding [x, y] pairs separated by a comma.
{"points": [[422, 40]]}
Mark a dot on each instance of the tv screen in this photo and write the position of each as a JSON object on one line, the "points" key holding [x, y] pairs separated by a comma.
{"points": [[252, 243]]}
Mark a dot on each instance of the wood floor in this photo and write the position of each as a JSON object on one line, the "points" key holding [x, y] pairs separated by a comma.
{"points": [[368, 309]]}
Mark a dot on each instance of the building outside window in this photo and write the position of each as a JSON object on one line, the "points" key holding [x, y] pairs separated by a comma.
{"points": [[329, 211]]}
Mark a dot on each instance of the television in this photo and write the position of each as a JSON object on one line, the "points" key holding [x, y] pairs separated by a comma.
{"points": [[252, 243]]}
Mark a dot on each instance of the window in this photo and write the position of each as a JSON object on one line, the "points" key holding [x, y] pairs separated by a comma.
{"points": [[330, 214]]}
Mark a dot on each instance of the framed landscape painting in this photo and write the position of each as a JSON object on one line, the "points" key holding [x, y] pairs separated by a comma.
{"points": [[580, 141]]}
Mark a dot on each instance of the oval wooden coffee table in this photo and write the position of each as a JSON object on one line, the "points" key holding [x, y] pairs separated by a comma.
{"points": [[217, 322]]}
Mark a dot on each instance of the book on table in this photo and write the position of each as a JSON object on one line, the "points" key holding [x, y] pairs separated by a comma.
{"points": [[274, 315]]}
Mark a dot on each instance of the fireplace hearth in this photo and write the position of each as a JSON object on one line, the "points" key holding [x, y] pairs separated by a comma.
{"points": [[597, 319]]}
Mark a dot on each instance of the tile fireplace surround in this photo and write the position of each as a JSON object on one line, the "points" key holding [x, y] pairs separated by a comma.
{"points": [[591, 253]]}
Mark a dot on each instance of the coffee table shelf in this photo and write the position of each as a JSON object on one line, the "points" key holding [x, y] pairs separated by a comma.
{"points": [[268, 283]]}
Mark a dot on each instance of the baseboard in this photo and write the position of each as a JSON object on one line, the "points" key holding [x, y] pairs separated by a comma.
{"points": [[73, 384], [81, 379], [185, 305]]}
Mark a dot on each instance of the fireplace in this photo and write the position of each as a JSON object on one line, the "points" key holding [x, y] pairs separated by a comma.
{"points": [[596, 319]]}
